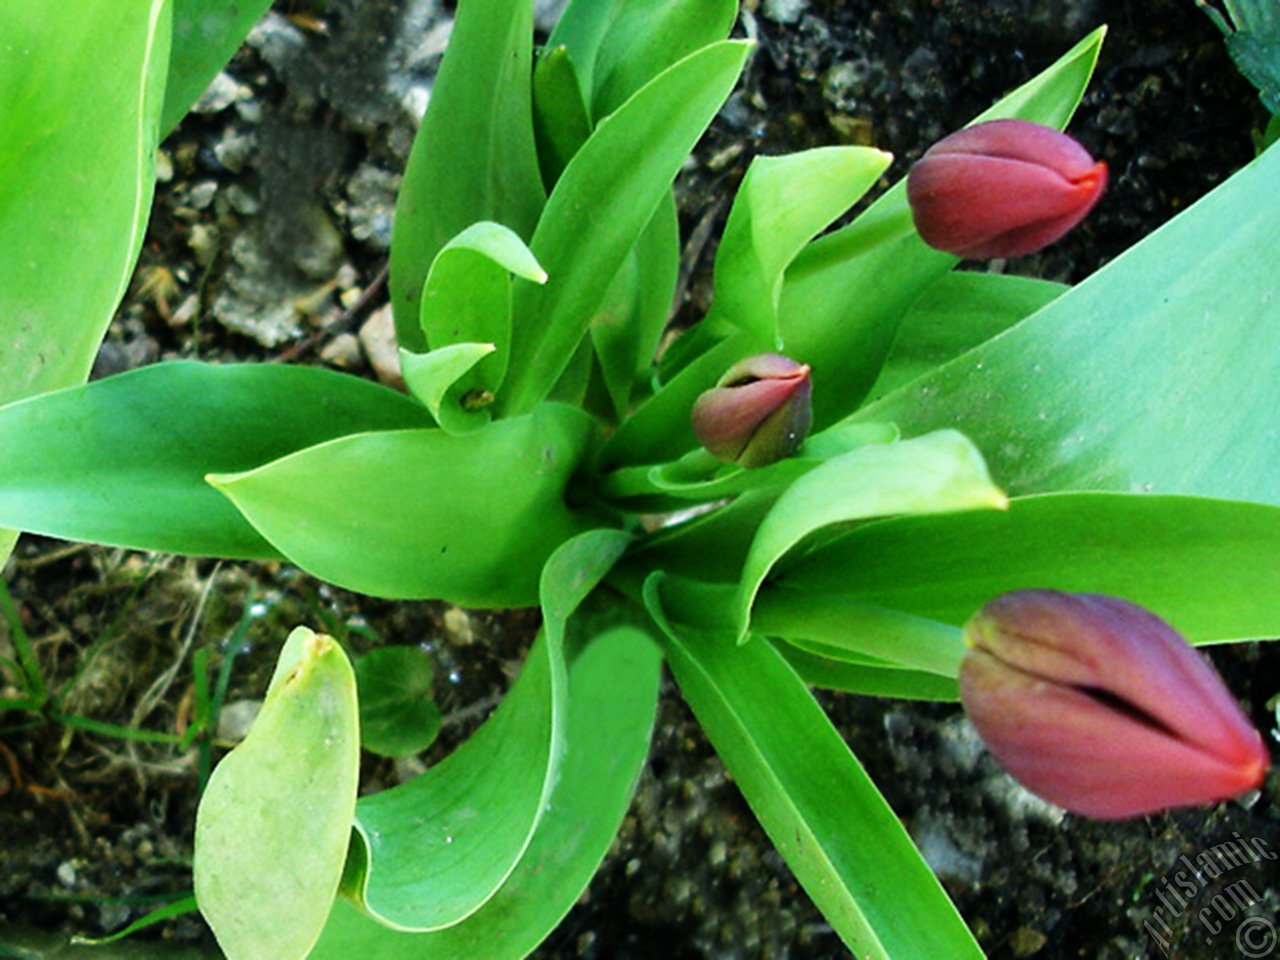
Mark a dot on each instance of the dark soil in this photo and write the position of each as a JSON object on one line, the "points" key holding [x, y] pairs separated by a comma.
{"points": [[276, 207]]}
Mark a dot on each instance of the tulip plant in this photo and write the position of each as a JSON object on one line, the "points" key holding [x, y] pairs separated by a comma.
{"points": [[818, 485]]}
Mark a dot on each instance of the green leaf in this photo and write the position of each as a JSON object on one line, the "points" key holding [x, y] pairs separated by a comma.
{"points": [[206, 33], [626, 329], [432, 376], [440, 846], [423, 513], [846, 293], [599, 208], [1210, 567], [474, 157], [826, 817], [76, 177], [957, 313], [437, 847], [275, 820], [613, 691], [560, 122], [397, 715], [1155, 374], [122, 461], [580, 30], [937, 473], [867, 680], [782, 204], [646, 37]]}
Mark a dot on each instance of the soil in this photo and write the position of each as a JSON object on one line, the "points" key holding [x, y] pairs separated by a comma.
{"points": [[269, 241]]}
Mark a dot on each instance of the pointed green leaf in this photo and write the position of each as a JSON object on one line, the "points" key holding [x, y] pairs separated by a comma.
{"points": [[782, 204], [600, 206], [474, 158], [206, 33], [613, 690], [626, 329], [1152, 375], [560, 120], [580, 30], [937, 473], [122, 461], [1210, 567], [822, 811], [76, 177], [423, 513], [646, 37], [275, 820]]}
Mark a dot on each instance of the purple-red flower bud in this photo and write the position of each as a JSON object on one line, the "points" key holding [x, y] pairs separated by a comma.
{"points": [[758, 413], [1100, 707], [1003, 188]]}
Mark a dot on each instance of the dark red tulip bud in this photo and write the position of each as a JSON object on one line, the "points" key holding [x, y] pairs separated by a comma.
{"points": [[758, 413], [1098, 706], [1003, 188]]}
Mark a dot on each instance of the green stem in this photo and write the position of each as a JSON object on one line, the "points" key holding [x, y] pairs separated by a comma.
{"points": [[860, 628]]}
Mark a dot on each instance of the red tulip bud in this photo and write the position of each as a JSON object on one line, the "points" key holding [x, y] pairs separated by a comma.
{"points": [[1098, 706], [1002, 188], [758, 413]]}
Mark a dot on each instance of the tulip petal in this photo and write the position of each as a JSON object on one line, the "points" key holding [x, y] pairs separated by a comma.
{"points": [[1099, 706]]}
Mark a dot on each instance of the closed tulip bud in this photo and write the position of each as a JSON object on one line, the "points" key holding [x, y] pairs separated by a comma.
{"points": [[1098, 706], [758, 413], [1003, 188]]}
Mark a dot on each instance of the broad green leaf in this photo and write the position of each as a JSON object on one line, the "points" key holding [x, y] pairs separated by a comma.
{"points": [[956, 313], [474, 157], [826, 817], [646, 37], [431, 376], [1155, 374], [1209, 567], [275, 820], [423, 513], [937, 473], [560, 122], [626, 329], [440, 846], [122, 461], [599, 208], [782, 204], [846, 293], [613, 690], [81, 88], [206, 33], [397, 715], [872, 681]]}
